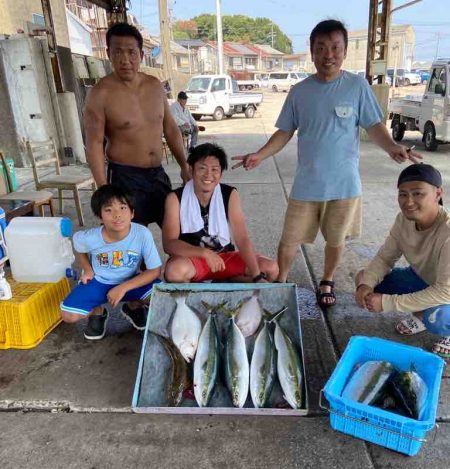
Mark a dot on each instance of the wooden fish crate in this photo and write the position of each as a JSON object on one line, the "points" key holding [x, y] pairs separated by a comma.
{"points": [[154, 372]]}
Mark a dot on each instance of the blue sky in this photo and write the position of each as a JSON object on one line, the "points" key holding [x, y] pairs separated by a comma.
{"points": [[430, 18]]}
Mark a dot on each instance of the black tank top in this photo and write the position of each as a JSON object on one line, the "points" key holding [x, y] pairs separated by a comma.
{"points": [[202, 238]]}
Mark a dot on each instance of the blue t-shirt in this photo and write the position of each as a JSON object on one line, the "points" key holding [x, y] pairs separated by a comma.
{"points": [[114, 263], [327, 115]]}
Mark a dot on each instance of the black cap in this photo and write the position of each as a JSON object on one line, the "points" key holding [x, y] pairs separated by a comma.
{"points": [[421, 172], [182, 95]]}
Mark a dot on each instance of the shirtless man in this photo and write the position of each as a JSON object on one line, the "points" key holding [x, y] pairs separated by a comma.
{"points": [[131, 111]]}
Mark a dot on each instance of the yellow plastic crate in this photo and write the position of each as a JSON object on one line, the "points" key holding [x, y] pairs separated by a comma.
{"points": [[31, 314]]}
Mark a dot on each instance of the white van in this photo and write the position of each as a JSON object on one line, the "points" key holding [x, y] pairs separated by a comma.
{"points": [[282, 81]]}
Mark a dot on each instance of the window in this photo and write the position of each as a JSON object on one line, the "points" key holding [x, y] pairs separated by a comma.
{"points": [[438, 77], [38, 19], [218, 84], [278, 76]]}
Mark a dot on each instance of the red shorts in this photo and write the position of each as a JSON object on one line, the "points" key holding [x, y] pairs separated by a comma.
{"points": [[234, 267]]}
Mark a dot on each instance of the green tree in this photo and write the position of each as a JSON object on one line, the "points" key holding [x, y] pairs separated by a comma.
{"points": [[238, 28]]}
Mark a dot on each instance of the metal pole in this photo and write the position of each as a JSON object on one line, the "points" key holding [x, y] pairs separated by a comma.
{"points": [[219, 37], [165, 43], [52, 46], [394, 75], [437, 46], [189, 58]]}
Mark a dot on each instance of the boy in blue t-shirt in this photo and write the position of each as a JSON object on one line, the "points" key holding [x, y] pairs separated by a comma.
{"points": [[110, 256]]}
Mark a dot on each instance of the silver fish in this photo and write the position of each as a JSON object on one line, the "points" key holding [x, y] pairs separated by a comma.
{"points": [[186, 328], [290, 369], [411, 392], [236, 364], [206, 363], [250, 315], [368, 382], [262, 368]]}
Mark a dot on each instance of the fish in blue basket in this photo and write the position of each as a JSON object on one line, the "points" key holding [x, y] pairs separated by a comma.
{"points": [[289, 367], [237, 369], [206, 363], [263, 367], [410, 393], [250, 315], [186, 328], [369, 384]]}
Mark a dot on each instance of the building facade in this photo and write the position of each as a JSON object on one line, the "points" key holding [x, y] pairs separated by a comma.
{"points": [[401, 49]]}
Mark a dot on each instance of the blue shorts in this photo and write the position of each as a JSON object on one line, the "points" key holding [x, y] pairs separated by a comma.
{"points": [[401, 281], [85, 297]]}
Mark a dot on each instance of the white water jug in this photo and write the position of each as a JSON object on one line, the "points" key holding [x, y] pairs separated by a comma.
{"points": [[39, 248]]}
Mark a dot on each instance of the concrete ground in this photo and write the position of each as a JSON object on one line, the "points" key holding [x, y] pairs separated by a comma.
{"points": [[66, 403]]}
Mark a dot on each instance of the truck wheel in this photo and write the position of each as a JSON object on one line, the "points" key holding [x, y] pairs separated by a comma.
{"points": [[274, 89], [241, 87], [197, 117], [250, 112], [398, 130], [407, 82], [249, 87], [218, 114], [429, 137]]}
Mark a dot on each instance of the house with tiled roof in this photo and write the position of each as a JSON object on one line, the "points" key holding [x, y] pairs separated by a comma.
{"points": [[249, 57]]}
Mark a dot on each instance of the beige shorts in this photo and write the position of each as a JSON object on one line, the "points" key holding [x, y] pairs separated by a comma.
{"points": [[338, 220]]}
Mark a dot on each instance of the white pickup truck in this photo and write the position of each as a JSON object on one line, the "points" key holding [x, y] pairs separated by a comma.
{"points": [[218, 96], [430, 113]]}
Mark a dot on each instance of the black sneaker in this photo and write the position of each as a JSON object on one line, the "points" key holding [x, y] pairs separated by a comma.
{"points": [[137, 317], [96, 326]]}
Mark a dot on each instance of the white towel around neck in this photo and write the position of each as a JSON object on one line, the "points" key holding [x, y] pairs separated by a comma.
{"points": [[191, 217]]}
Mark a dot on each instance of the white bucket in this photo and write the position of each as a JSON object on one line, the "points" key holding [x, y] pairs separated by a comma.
{"points": [[39, 249]]}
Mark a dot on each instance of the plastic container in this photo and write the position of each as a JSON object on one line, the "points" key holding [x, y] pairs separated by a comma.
{"points": [[5, 287], [39, 249], [402, 434], [12, 172], [2, 232], [31, 314]]}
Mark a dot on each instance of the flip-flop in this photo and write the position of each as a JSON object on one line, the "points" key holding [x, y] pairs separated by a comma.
{"points": [[413, 325], [322, 295], [442, 348]]}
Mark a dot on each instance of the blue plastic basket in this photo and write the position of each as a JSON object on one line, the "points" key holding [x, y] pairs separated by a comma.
{"points": [[384, 428]]}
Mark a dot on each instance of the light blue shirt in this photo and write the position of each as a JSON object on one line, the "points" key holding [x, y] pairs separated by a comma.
{"points": [[114, 263], [327, 115]]}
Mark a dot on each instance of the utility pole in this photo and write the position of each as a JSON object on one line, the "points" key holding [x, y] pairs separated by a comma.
{"points": [[378, 38], [53, 49], [165, 43], [272, 34], [437, 45], [219, 37]]}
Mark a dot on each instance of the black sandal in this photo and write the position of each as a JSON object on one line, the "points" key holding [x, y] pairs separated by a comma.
{"points": [[322, 295]]}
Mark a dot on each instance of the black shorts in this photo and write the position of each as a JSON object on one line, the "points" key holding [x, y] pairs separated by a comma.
{"points": [[149, 187]]}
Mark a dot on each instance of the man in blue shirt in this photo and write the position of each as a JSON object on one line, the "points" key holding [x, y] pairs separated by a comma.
{"points": [[327, 109]]}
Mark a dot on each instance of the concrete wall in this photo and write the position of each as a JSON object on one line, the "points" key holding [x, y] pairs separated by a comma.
{"points": [[26, 96], [16, 13]]}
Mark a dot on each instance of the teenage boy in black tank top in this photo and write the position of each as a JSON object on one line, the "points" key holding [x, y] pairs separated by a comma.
{"points": [[198, 256]]}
